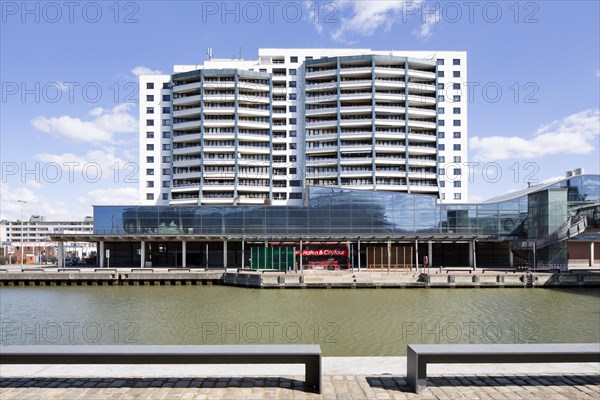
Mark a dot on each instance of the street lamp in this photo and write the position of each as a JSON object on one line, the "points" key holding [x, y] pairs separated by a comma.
{"points": [[22, 203]]}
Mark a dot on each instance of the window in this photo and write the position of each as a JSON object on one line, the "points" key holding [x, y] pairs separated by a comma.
{"points": [[441, 122], [456, 122], [293, 59], [441, 147], [293, 96], [456, 110], [456, 61], [166, 147], [440, 61], [441, 98], [457, 171], [292, 171], [166, 135], [150, 85], [456, 196], [149, 147], [149, 122], [292, 71], [166, 122], [165, 184], [149, 171], [292, 121], [308, 58], [292, 108], [456, 74], [441, 134], [292, 83], [442, 184], [292, 158], [166, 159], [440, 86], [457, 147], [441, 159], [293, 146], [166, 171], [443, 196], [149, 160], [149, 196], [165, 196], [457, 159], [296, 195], [150, 97], [456, 135], [149, 110], [456, 183], [456, 86], [263, 70], [456, 98], [149, 135], [441, 171], [149, 184], [440, 74], [292, 133], [295, 183], [166, 110], [167, 85], [166, 97], [441, 110]]}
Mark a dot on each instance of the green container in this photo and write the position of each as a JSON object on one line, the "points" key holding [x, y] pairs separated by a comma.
{"points": [[279, 258]]}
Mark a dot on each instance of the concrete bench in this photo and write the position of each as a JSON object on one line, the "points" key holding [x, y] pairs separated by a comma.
{"points": [[419, 355], [307, 354]]}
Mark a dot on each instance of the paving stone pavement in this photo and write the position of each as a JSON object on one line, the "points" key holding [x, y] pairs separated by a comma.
{"points": [[489, 387]]}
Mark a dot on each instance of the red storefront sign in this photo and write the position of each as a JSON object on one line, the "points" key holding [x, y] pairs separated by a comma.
{"points": [[323, 253]]}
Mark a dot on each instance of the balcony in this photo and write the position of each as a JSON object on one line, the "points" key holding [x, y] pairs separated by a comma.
{"points": [[412, 73], [219, 110], [322, 73], [356, 122], [194, 137], [321, 111], [219, 123], [253, 124], [421, 124], [186, 101], [332, 123], [218, 97], [194, 112], [218, 85], [250, 86], [187, 150], [186, 88], [187, 163], [352, 71], [186, 175], [416, 100], [252, 112]]}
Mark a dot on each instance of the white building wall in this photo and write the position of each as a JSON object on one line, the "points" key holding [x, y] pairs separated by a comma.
{"points": [[452, 150], [155, 139]]}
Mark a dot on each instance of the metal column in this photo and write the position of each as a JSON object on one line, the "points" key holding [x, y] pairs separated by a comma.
{"points": [[470, 254], [591, 254], [100, 254], [225, 254], [358, 254], [511, 258], [142, 253], [430, 254], [417, 254], [183, 254], [206, 257], [301, 266], [474, 255], [389, 254], [243, 254]]}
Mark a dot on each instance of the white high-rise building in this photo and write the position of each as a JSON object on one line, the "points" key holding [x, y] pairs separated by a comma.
{"points": [[257, 132]]}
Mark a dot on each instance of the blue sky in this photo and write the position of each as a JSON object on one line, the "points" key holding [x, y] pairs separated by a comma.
{"points": [[69, 88]]}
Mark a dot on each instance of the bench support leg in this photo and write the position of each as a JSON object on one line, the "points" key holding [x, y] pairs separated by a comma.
{"points": [[416, 372], [312, 371]]}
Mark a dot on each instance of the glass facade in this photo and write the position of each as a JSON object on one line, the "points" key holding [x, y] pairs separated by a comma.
{"points": [[346, 212]]}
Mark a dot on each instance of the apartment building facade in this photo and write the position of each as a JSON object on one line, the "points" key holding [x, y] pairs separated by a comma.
{"points": [[235, 132]]}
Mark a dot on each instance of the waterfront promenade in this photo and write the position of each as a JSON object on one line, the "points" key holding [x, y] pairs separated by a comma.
{"points": [[344, 378]]}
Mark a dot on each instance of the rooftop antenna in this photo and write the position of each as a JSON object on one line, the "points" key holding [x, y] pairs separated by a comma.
{"points": [[209, 53], [240, 52]]}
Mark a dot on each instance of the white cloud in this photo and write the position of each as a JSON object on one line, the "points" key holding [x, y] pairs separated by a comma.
{"points": [[366, 17], [312, 15], [574, 134], [425, 31], [117, 196], [88, 166], [34, 204], [101, 127], [140, 70]]}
